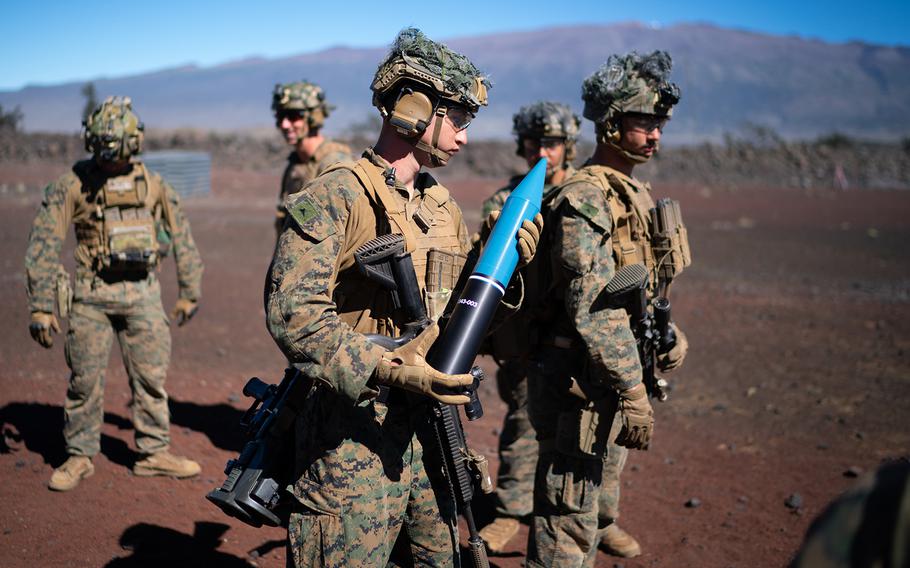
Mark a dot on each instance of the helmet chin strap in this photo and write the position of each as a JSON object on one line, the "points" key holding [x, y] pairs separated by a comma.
{"points": [[631, 156], [437, 156]]}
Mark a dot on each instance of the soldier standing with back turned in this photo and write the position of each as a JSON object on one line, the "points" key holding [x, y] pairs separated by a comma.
{"points": [[126, 220], [543, 130], [300, 112], [588, 401]]}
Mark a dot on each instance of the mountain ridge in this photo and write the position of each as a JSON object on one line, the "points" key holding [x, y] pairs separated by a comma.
{"points": [[799, 87]]}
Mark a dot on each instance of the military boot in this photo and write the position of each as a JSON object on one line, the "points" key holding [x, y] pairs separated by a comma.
{"points": [[68, 475], [498, 533], [618, 542], [166, 463]]}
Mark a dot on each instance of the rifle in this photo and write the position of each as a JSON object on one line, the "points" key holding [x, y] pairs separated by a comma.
{"points": [[254, 489], [385, 261], [629, 289]]}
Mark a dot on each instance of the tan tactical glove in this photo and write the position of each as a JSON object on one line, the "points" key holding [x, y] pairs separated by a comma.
{"points": [[637, 418], [673, 358], [43, 323], [528, 235], [407, 368], [184, 310]]}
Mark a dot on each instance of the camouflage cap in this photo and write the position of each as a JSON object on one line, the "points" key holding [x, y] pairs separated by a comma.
{"points": [[545, 119], [415, 58], [303, 96], [631, 83], [113, 131]]}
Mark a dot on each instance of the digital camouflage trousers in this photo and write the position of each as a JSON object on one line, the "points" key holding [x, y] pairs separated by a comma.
{"points": [[363, 484], [576, 496], [514, 495], [132, 311]]}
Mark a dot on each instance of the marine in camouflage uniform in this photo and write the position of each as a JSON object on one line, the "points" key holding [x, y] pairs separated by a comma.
{"points": [[126, 220], [588, 402], [300, 111], [545, 130], [362, 479]]}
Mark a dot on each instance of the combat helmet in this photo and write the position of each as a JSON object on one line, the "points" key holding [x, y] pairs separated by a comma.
{"points": [[113, 132], [420, 79], [305, 97], [628, 84], [546, 119]]}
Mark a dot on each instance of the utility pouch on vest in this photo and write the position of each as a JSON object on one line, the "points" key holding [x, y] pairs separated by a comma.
{"points": [[125, 191], [443, 270], [129, 233], [670, 240], [629, 210], [131, 241], [64, 293]]}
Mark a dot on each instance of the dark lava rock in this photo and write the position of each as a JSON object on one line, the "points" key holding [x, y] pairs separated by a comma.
{"points": [[794, 501]]}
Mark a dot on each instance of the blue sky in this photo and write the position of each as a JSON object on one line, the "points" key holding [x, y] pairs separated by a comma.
{"points": [[50, 42]]}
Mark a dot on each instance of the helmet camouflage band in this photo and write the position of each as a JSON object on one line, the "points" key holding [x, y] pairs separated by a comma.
{"points": [[113, 131], [305, 97], [415, 58], [631, 83], [546, 119]]}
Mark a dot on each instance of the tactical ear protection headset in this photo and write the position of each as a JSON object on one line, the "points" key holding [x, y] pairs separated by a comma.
{"points": [[411, 113], [609, 131], [134, 141], [315, 118], [614, 130]]}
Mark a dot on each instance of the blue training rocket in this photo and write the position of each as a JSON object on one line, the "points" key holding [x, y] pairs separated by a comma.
{"points": [[455, 349], [500, 253]]}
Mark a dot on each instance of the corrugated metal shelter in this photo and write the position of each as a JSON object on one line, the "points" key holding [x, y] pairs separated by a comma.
{"points": [[189, 172]]}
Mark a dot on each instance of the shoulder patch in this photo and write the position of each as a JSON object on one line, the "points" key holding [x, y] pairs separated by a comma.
{"points": [[304, 211], [588, 210], [310, 218], [589, 201]]}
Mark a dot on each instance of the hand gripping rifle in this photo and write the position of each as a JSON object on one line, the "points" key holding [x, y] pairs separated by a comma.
{"points": [[629, 289], [385, 261], [254, 489], [454, 350], [670, 245]]}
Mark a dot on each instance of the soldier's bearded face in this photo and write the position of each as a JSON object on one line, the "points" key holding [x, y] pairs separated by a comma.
{"points": [[640, 137], [293, 127], [553, 149]]}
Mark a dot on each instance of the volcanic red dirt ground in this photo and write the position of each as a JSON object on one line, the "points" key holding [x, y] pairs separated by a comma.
{"points": [[796, 308]]}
